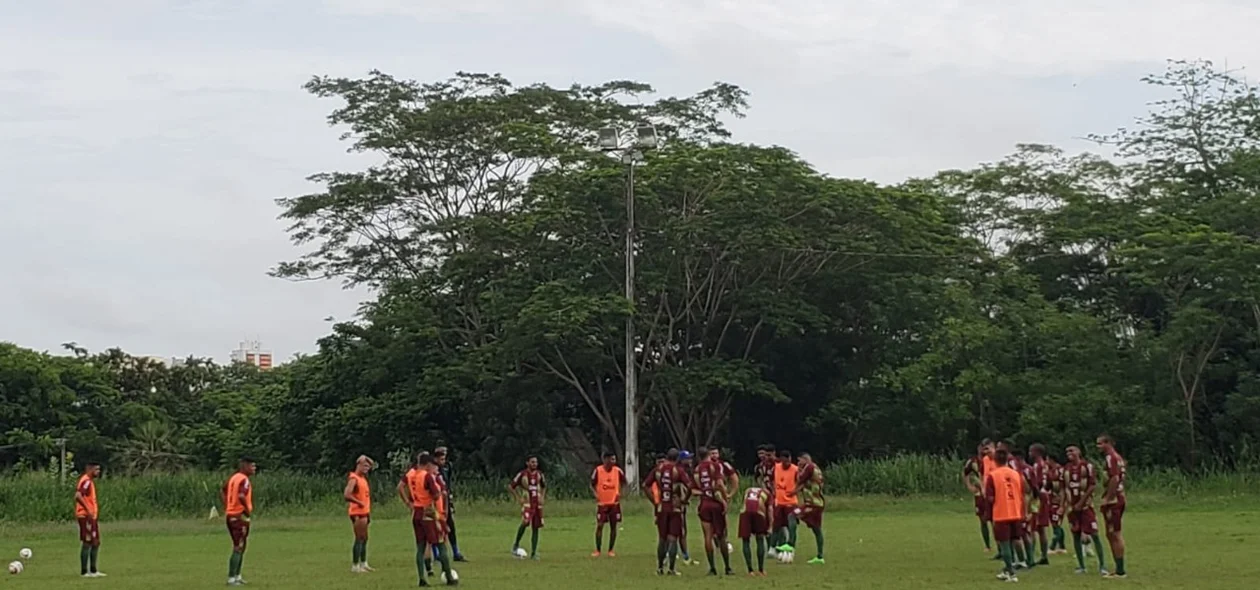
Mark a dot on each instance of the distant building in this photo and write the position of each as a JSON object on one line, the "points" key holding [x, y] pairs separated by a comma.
{"points": [[251, 352], [167, 362]]}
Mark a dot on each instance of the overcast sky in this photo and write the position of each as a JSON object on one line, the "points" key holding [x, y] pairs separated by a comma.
{"points": [[142, 142]]}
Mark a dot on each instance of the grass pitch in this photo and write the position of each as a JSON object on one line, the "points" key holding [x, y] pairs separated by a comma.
{"points": [[871, 543]]}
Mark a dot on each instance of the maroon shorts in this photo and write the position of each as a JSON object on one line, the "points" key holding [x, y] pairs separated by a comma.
{"points": [[1113, 514], [983, 510], [669, 524], [781, 514], [427, 530], [89, 531], [1041, 520], [1056, 519], [713, 513], [1084, 522], [354, 518], [810, 515], [532, 516], [752, 524], [238, 529], [1008, 531], [609, 513]]}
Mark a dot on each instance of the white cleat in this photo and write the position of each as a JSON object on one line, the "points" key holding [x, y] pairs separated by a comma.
{"points": [[356, 569], [366, 568]]}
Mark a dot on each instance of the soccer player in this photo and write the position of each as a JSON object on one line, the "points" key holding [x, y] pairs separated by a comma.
{"points": [[687, 463], [973, 478], [754, 521], [419, 489], [1080, 481], [238, 506], [728, 470], [1113, 501], [529, 487], [710, 485], [764, 470], [673, 484], [809, 482], [1054, 474], [606, 483], [358, 495], [1004, 488], [441, 457], [1039, 517], [1022, 545], [785, 501], [87, 512]]}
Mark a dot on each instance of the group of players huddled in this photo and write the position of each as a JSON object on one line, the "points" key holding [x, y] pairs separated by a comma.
{"points": [[786, 491], [1024, 498]]}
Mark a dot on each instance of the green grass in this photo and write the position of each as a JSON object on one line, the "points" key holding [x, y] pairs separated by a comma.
{"points": [[874, 542]]}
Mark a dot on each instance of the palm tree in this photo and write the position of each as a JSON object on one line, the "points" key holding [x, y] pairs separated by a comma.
{"points": [[152, 447]]}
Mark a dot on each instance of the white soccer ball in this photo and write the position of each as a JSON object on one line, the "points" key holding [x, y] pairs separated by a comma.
{"points": [[25, 553], [454, 577], [730, 548], [520, 553], [16, 568], [786, 557]]}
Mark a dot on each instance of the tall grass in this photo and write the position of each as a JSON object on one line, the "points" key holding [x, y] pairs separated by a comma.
{"points": [[41, 498]]}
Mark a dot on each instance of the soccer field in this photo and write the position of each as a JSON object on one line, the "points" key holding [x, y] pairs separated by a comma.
{"points": [[870, 544]]}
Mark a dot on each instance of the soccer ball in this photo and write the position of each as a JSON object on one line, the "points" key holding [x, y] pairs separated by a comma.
{"points": [[730, 548], [454, 577], [25, 553], [520, 553], [16, 568], [786, 557]]}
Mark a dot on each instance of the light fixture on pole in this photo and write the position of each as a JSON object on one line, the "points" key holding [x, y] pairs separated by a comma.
{"points": [[610, 141]]}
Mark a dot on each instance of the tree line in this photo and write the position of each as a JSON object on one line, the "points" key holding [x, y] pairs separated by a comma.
{"points": [[1047, 296]]}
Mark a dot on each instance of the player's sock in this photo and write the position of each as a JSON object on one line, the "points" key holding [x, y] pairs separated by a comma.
{"points": [[84, 551], [599, 540], [363, 551], [818, 538], [673, 555], [1005, 550], [725, 550], [748, 554], [1098, 546], [612, 537], [708, 553], [92, 558], [420, 568], [1030, 551], [428, 564], [1120, 566], [1080, 550], [450, 534], [354, 552], [1045, 547], [761, 554], [984, 533], [1018, 548], [439, 551], [533, 543], [520, 534], [234, 565], [662, 549], [1060, 538], [792, 531]]}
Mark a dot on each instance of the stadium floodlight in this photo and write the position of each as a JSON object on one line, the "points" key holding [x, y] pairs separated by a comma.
{"points": [[609, 139], [646, 137]]}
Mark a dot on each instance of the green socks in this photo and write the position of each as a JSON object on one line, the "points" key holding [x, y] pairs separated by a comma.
{"points": [[984, 533], [1120, 566], [599, 539], [1004, 548], [84, 552], [748, 554], [612, 536], [439, 552], [761, 554], [818, 538], [420, 569], [662, 549], [1098, 547], [1080, 550], [673, 555], [520, 534], [234, 564], [92, 558], [363, 551], [533, 544], [792, 531], [1019, 549], [356, 554], [726, 553]]}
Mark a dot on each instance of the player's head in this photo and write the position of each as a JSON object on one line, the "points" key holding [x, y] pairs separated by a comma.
{"points": [[92, 469], [1105, 443], [1037, 451], [715, 454], [439, 456], [702, 454], [685, 457], [425, 461], [672, 455], [784, 456], [247, 465], [1073, 453], [610, 459], [804, 459], [660, 458], [364, 464], [531, 462], [1002, 456], [987, 447]]}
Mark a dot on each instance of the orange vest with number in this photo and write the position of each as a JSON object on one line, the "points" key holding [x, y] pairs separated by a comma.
{"points": [[363, 493], [420, 496], [234, 506], [1008, 494], [607, 485], [785, 485], [87, 487]]}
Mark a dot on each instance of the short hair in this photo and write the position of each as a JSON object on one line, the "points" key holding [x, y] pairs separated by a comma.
{"points": [[608, 454], [439, 452], [986, 442], [1001, 456], [91, 464], [671, 455], [1107, 438], [247, 459], [702, 451], [528, 458], [804, 455], [784, 454], [1039, 449], [660, 456], [424, 459]]}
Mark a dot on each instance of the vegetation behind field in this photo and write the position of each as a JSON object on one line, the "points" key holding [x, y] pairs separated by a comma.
{"points": [[41, 498]]}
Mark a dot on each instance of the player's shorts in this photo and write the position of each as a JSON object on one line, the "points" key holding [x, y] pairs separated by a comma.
{"points": [[427, 530], [812, 516], [1113, 515], [238, 529], [89, 531], [532, 516], [1041, 519], [669, 524], [983, 510], [752, 524], [354, 518], [1056, 519], [1083, 522], [608, 513], [781, 514], [713, 513], [1008, 531]]}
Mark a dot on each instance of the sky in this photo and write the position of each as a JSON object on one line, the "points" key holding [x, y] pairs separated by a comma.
{"points": [[143, 142]]}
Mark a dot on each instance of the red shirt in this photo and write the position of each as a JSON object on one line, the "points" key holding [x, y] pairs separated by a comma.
{"points": [[765, 473], [709, 479], [533, 482], [1115, 468], [673, 483], [1079, 477]]}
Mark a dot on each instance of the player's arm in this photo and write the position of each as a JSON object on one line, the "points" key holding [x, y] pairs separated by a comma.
{"points": [[621, 476], [348, 494], [242, 496], [646, 488], [990, 489], [404, 491], [542, 488], [968, 480], [733, 477], [595, 483], [81, 499], [1113, 481], [514, 488]]}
